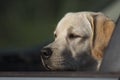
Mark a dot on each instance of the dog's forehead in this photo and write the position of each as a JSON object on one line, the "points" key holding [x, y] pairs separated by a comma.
{"points": [[78, 22]]}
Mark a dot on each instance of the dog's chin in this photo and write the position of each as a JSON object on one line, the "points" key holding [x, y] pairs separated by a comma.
{"points": [[45, 65], [50, 68]]}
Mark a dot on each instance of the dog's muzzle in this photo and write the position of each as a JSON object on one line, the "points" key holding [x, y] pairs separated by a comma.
{"points": [[45, 55]]}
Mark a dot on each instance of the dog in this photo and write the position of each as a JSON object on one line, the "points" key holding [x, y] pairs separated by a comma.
{"points": [[80, 41]]}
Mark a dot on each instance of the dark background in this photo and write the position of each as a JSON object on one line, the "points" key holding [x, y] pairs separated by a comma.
{"points": [[27, 25]]}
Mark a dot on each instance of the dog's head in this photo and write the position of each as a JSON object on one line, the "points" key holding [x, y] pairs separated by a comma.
{"points": [[80, 39]]}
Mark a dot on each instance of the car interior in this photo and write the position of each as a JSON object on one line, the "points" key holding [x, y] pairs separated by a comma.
{"points": [[27, 26]]}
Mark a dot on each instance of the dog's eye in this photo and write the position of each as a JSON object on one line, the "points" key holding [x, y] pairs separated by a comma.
{"points": [[72, 36], [55, 35]]}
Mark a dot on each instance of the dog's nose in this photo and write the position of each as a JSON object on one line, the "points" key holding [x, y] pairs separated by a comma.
{"points": [[46, 53]]}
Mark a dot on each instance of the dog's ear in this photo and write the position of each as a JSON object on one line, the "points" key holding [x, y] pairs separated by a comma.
{"points": [[102, 27]]}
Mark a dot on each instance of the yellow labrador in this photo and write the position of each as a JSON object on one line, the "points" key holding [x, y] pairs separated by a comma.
{"points": [[80, 40]]}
